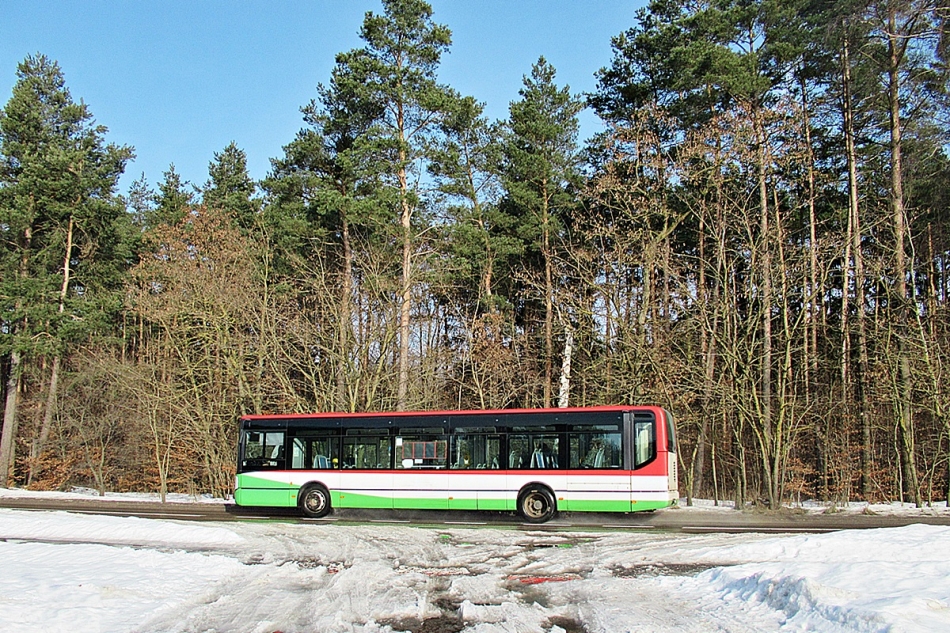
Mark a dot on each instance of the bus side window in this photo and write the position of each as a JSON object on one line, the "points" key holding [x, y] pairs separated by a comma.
{"points": [[462, 452], [325, 452], [492, 448], [518, 453], [253, 446], [423, 447], [298, 453], [644, 442], [595, 446], [670, 434], [533, 450], [478, 451], [264, 450], [545, 452], [367, 452], [321, 452]]}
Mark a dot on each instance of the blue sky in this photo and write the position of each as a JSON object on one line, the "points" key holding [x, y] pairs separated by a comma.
{"points": [[179, 80]]}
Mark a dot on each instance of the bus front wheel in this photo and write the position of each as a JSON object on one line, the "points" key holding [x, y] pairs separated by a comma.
{"points": [[536, 504], [314, 501]]}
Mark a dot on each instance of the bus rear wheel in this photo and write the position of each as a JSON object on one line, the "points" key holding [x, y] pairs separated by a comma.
{"points": [[536, 504], [314, 501]]}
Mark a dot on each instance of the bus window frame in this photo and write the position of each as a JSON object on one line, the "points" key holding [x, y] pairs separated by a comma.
{"points": [[435, 436], [586, 434], [477, 441], [375, 438], [263, 462]]}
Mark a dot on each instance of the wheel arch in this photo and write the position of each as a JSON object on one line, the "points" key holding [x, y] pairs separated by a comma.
{"points": [[538, 484]]}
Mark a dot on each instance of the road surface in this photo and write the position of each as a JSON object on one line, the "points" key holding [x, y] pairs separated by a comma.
{"points": [[680, 519]]}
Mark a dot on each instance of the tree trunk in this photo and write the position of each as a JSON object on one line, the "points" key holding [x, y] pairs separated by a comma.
{"points": [[405, 301], [565, 389], [811, 334], [8, 433], [711, 302], [896, 50], [857, 256], [40, 444], [485, 283], [765, 272], [708, 336], [343, 402], [847, 407], [548, 298], [8, 436]]}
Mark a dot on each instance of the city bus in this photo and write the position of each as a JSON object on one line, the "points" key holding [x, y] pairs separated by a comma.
{"points": [[535, 462]]}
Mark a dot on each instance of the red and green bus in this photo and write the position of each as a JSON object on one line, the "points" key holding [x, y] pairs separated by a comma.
{"points": [[535, 462]]}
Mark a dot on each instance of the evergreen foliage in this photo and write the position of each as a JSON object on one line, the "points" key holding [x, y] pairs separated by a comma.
{"points": [[230, 187], [62, 253]]}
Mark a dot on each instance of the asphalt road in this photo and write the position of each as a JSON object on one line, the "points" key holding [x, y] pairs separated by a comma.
{"points": [[680, 519]]}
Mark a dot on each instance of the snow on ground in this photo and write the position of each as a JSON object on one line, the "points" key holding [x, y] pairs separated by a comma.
{"points": [[81, 573], [90, 493]]}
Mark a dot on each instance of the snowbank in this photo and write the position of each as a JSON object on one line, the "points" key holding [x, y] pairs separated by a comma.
{"points": [[78, 573]]}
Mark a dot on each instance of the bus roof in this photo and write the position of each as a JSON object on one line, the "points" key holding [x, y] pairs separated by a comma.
{"points": [[390, 414]]}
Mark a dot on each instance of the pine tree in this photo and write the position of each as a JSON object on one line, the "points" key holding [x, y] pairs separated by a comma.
{"points": [[467, 167], [326, 190], [230, 187], [394, 75], [541, 173], [173, 201], [58, 214]]}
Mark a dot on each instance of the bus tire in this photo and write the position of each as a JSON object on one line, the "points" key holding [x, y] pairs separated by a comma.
{"points": [[536, 504], [314, 501]]}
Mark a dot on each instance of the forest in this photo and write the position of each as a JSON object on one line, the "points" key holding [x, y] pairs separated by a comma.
{"points": [[758, 241]]}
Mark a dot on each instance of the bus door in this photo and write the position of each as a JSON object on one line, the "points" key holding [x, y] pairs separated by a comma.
{"points": [[672, 469], [366, 478], [476, 481], [534, 455], [648, 481], [421, 477], [598, 482]]}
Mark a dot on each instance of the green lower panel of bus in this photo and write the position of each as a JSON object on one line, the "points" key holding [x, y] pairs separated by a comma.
{"points": [[499, 505], [266, 497], [347, 499], [260, 492], [594, 505]]}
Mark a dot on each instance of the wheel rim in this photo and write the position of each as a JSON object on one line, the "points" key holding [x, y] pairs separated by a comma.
{"points": [[315, 501], [535, 505]]}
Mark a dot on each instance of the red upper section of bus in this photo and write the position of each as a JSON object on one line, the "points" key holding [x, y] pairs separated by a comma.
{"points": [[375, 414]]}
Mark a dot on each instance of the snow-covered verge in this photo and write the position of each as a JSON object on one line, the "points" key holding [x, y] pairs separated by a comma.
{"points": [[89, 493], [79, 573], [937, 508]]}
